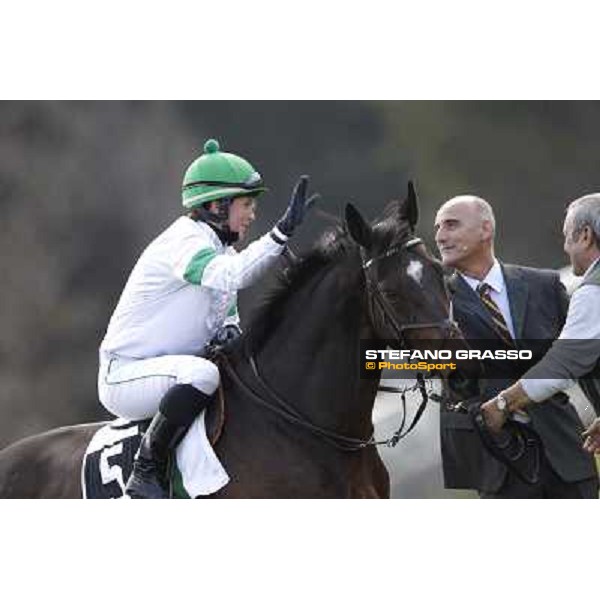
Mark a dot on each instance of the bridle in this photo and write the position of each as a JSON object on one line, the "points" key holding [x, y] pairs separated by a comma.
{"points": [[376, 295], [275, 403]]}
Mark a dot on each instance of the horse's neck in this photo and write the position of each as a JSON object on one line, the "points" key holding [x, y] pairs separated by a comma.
{"points": [[312, 359]]}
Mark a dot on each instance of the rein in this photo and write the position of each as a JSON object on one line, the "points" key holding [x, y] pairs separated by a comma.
{"points": [[280, 407], [342, 442]]}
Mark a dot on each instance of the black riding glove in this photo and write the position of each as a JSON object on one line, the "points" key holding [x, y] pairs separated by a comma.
{"points": [[226, 335], [297, 208]]}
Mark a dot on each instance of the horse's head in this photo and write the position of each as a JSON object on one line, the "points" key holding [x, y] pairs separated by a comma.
{"points": [[407, 296], [408, 300]]}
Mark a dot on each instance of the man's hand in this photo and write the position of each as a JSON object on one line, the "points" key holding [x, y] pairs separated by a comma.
{"points": [[494, 417], [516, 401], [297, 208], [592, 437]]}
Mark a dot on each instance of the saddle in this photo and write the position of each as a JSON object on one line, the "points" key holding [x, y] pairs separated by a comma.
{"points": [[517, 446], [214, 418], [109, 458]]}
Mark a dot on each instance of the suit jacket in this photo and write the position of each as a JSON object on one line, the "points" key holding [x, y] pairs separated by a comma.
{"points": [[538, 304]]}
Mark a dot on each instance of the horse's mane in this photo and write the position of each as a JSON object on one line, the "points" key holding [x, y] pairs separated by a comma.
{"points": [[334, 245]]}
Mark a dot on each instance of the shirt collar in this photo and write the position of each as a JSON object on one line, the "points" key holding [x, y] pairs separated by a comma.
{"points": [[207, 228], [589, 269], [494, 278]]}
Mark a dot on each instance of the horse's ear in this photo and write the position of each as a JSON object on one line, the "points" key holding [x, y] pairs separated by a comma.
{"points": [[409, 209], [360, 231]]}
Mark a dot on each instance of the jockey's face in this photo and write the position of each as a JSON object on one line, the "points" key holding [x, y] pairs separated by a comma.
{"points": [[242, 213]]}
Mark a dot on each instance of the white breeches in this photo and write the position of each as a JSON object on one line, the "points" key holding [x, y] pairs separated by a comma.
{"points": [[132, 389]]}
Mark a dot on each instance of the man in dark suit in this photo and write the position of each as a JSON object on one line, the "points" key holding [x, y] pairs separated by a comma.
{"points": [[506, 303]]}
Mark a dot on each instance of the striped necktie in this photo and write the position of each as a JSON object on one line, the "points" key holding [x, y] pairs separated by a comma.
{"points": [[484, 291]]}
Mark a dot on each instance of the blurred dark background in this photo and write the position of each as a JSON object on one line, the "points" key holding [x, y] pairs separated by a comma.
{"points": [[85, 185]]}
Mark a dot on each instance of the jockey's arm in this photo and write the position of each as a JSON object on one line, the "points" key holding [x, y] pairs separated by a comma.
{"points": [[228, 271]]}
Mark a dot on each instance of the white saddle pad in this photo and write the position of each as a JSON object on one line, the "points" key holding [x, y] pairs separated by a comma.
{"points": [[109, 458]]}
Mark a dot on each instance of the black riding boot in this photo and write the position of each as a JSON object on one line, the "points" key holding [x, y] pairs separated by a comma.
{"points": [[148, 478], [177, 411]]}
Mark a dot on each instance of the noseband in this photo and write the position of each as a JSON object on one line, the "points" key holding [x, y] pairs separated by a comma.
{"points": [[376, 295]]}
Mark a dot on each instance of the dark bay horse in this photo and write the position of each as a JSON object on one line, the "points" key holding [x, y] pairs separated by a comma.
{"points": [[298, 413]]}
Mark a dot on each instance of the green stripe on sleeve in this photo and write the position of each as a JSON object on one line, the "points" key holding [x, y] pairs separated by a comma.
{"points": [[233, 310], [179, 490], [196, 266]]}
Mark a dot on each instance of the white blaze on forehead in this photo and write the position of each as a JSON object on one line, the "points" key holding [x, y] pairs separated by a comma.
{"points": [[415, 270]]}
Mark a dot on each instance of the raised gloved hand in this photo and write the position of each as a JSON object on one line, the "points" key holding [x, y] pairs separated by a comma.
{"points": [[297, 208]]}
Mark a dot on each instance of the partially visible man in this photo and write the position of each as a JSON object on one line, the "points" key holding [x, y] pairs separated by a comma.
{"points": [[505, 303], [576, 353]]}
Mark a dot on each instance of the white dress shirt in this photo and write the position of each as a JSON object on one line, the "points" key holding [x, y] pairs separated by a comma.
{"points": [[582, 323], [495, 279]]}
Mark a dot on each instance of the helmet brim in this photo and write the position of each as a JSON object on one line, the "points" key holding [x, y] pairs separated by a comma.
{"points": [[220, 193]]}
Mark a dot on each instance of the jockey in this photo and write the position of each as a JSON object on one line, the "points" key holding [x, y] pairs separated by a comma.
{"points": [[179, 296]]}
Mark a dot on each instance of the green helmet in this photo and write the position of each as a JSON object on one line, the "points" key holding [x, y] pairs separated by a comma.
{"points": [[215, 175]]}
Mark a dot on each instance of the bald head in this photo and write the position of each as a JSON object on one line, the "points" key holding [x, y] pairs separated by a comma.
{"points": [[478, 207], [464, 233]]}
